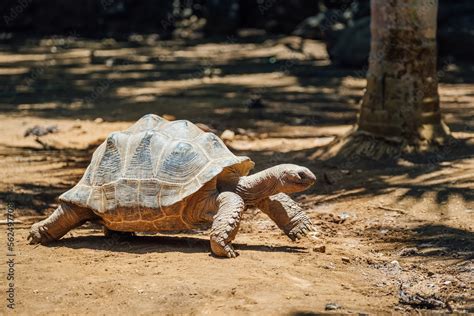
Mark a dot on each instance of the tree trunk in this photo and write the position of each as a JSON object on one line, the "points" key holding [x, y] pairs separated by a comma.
{"points": [[400, 109], [402, 98]]}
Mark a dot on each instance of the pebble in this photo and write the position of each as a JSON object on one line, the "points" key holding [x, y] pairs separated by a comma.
{"points": [[395, 263], [345, 259], [329, 266], [313, 235], [99, 120], [394, 266], [332, 306], [408, 251], [344, 215], [320, 248]]}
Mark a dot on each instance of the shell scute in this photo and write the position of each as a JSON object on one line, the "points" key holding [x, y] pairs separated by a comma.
{"points": [[141, 162], [180, 162]]}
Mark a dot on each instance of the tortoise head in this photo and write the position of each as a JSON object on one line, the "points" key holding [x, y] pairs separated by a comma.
{"points": [[294, 178]]}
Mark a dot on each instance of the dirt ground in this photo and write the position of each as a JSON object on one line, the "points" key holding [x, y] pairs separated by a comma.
{"points": [[390, 238]]}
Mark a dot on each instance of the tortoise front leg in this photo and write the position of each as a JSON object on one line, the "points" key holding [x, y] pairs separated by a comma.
{"points": [[63, 219], [226, 224], [287, 214]]}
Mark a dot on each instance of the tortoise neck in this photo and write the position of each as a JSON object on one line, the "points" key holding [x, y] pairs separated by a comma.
{"points": [[258, 186]]}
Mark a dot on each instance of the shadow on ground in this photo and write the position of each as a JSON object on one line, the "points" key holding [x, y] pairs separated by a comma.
{"points": [[430, 241], [160, 244]]}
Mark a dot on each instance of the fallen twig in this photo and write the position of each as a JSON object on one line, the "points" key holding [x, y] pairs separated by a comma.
{"points": [[391, 209]]}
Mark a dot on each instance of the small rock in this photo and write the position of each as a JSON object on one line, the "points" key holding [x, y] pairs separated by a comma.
{"points": [[345, 259], [329, 266], [41, 130], [99, 120], [394, 266], [313, 235], [227, 135], [140, 291], [344, 215], [408, 252], [332, 306], [320, 248]]}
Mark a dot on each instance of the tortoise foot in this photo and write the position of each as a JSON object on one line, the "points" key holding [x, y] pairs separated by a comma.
{"points": [[221, 249], [299, 226], [39, 234]]}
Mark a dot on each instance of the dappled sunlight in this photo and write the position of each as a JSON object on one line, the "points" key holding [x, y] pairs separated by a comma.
{"points": [[273, 80], [13, 71], [279, 144], [91, 69], [13, 58]]}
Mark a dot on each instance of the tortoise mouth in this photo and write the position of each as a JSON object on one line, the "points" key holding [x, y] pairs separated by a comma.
{"points": [[308, 183], [302, 184], [306, 179]]}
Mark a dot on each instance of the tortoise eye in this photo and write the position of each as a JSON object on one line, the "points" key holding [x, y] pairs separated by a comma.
{"points": [[302, 175]]}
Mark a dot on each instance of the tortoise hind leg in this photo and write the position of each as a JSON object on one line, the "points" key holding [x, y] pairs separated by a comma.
{"points": [[63, 219]]}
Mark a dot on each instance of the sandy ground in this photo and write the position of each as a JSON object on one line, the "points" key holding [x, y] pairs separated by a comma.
{"points": [[387, 236]]}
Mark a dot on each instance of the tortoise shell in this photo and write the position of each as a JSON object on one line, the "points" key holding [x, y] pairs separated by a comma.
{"points": [[153, 164]]}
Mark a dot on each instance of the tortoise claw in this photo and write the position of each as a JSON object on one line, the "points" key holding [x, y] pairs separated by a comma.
{"points": [[223, 250], [38, 234], [231, 253], [299, 227]]}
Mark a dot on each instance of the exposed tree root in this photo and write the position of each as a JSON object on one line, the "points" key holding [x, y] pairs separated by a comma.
{"points": [[359, 146]]}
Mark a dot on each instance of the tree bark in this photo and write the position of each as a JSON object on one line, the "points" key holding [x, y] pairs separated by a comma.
{"points": [[401, 99]]}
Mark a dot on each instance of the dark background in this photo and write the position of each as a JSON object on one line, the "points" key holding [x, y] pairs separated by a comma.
{"points": [[342, 24]]}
